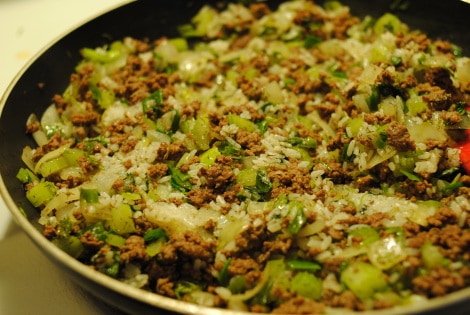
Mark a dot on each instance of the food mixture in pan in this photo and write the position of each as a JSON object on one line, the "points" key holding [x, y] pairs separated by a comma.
{"points": [[290, 160]]}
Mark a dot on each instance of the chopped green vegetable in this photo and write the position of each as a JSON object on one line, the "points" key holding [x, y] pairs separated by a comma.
{"points": [[154, 234], [25, 176], [303, 265], [364, 280], [307, 285], [41, 193]]}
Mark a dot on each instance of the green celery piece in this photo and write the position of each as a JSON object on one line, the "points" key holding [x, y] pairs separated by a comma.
{"points": [[364, 279], [208, 157], [41, 193], [72, 156], [155, 247], [242, 123], [201, 132], [388, 22], [247, 177], [299, 219], [237, 284], [25, 176], [155, 234], [431, 256], [307, 285], [100, 55], [53, 166], [69, 244], [115, 240], [89, 195], [180, 43], [368, 234], [121, 221]]}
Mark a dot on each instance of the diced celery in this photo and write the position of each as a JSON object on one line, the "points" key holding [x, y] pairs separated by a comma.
{"points": [[368, 235], [307, 285], [155, 247], [53, 166], [89, 195], [364, 279], [115, 240], [201, 132], [131, 196], [72, 156], [100, 55], [180, 43], [431, 256], [304, 156], [247, 177], [41, 193], [25, 176], [355, 125], [209, 156], [242, 123], [388, 23], [416, 105], [155, 234], [237, 284], [70, 244], [232, 77], [299, 218], [121, 220]]}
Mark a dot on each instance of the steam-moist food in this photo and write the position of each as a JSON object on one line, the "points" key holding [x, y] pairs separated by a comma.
{"points": [[289, 161]]}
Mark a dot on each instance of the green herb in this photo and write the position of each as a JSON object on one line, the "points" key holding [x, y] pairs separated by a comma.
{"points": [[185, 287], [263, 183], [179, 180], [154, 102], [411, 175], [311, 41], [303, 265], [299, 219], [154, 234], [224, 276]]}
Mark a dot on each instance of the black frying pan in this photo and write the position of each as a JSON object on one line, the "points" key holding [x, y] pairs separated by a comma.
{"points": [[448, 20]]}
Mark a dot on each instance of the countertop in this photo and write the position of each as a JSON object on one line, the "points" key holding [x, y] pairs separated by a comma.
{"points": [[29, 283]]}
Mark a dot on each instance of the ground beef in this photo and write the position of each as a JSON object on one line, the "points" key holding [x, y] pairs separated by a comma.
{"points": [[157, 170], [250, 142], [440, 281], [293, 179], [218, 175], [133, 249], [346, 299], [192, 245], [89, 240], [259, 9], [200, 197], [399, 137], [300, 305], [165, 287], [241, 266]]}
